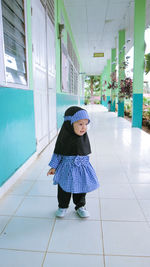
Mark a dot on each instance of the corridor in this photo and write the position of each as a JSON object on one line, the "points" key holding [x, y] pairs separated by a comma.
{"points": [[117, 233]]}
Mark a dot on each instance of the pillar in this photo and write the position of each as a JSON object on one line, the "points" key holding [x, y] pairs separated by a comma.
{"points": [[113, 69], [108, 91], [139, 29], [121, 70]]}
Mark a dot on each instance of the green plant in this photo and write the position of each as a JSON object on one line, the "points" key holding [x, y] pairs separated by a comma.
{"points": [[147, 63], [86, 101], [92, 86], [96, 101], [148, 113], [145, 101], [125, 90]]}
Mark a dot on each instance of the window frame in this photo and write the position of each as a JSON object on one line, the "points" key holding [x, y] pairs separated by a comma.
{"points": [[3, 82]]}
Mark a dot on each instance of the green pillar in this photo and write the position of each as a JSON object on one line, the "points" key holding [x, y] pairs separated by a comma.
{"points": [[139, 29], [102, 88], [108, 91], [104, 102], [113, 70], [121, 70]]}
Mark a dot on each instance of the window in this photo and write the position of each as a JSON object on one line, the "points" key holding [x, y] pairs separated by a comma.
{"points": [[73, 68], [50, 7], [13, 21]]}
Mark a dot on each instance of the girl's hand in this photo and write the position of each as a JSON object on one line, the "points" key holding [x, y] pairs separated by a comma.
{"points": [[51, 171]]}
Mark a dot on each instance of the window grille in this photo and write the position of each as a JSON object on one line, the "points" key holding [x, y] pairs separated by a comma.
{"points": [[50, 7], [73, 67], [14, 41], [71, 79], [51, 10], [75, 83]]}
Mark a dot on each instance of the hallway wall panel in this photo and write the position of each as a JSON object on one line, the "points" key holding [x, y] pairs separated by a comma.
{"points": [[17, 131]]}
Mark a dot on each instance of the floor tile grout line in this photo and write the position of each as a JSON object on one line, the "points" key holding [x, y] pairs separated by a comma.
{"points": [[23, 250], [77, 219], [76, 253], [102, 233], [48, 242], [52, 252], [12, 215], [146, 220], [126, 255], [11, 193]]}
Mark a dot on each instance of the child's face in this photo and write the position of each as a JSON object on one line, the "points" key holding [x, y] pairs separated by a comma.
{"points": [[80, 127]]}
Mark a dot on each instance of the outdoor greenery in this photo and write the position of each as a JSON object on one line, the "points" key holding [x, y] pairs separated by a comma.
{"points": [[147, 63], [128, 108], [92, 89]]}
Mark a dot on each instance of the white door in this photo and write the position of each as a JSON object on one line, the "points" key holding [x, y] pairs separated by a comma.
{"points": [[51, 66], [42, 97]]}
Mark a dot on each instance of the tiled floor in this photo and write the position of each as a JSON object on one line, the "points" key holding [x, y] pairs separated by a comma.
{"points": [[117, 234]]}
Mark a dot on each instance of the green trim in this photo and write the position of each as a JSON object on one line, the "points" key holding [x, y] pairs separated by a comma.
{"points": [[108, 91], [121, 70], [113, 59], [121, 54], [113, 69], [139, 29]]}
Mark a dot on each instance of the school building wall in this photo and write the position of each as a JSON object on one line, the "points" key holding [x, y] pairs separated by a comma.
{"points": [[17, 127], [17, 117]]}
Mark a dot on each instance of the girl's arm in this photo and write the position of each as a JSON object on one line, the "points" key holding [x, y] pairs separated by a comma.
{"points": [[55, 160], [51, 171]]}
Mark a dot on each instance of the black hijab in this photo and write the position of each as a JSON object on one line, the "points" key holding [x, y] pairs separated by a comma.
{"points": [[68, 143]]}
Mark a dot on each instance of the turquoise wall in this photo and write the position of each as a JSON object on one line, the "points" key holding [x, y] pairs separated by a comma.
{"points": [[63, 102], [138, 110], [17, 130], [81, 100]]}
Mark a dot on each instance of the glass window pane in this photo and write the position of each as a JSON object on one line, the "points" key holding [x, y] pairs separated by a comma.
{"points": [[14, 41]]}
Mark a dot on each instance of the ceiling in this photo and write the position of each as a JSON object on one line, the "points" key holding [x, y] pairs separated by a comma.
{"points": [[95, 25]]}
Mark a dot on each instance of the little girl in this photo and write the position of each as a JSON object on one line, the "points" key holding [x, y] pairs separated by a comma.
{"points": [[70, 162]]}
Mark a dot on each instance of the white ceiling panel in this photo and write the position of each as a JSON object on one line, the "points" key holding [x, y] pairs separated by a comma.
{"points": [[95, 24], [74, 2], [116, 11]]}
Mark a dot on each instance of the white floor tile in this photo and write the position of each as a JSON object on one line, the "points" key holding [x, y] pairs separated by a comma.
{"points": [[70, 260], [21, 188], [121, 210], [145, 204], [9, 204], [116, 261], [139, 177], [43, 188], [126, 238], [10, 258], [43, 207], [110, 177], [122, 191], [142, 191], [3, 221], [26, 234], [76, 236], [92, 194], [43, 176]]}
